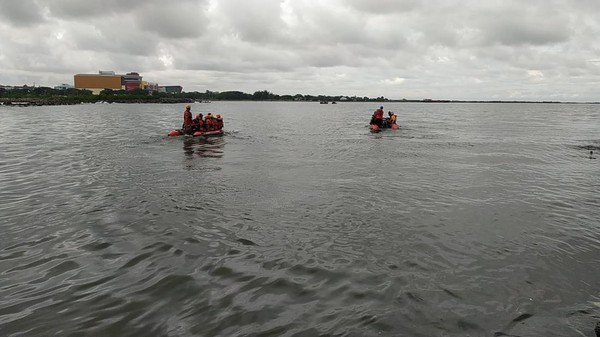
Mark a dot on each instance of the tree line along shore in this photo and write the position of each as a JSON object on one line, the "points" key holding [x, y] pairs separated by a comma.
{"points": [[24, 96], [38, 96]]}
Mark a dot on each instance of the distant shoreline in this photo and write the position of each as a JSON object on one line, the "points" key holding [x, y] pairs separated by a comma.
{"points": [[36, 101], [40, 96]]}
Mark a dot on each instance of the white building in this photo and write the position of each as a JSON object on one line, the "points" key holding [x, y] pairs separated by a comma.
{"points": [[63, 86]]}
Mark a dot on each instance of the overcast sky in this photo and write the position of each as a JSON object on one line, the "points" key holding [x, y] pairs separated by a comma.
{"points": [[441, 49]]}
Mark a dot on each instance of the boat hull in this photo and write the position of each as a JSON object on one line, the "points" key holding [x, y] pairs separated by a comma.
{"points": [[208, 133], [175, 133], [375, 128]]}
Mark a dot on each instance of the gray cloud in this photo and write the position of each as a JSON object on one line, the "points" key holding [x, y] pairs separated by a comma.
{"points": [[178, 20], [240, 18], [453, 49], [384, 6], [522, 27], [111, 35], [77, 10], [21, 13]]}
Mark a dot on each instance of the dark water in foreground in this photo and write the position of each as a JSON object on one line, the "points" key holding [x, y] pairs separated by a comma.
{"points": [[472, 220]]}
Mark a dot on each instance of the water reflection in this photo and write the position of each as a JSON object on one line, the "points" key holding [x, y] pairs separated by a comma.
{"points": [[203, 146], [188, 146]]}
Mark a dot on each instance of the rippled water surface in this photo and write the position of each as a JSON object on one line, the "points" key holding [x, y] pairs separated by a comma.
{"points": [[470, 220]]}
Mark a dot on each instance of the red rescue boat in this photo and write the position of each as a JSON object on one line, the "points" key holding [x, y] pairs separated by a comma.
{"points": [[378, 122]]}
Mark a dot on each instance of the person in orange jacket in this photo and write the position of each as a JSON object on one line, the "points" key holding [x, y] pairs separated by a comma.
{"points": [[219, 123], [377, 118], [198, 123], [392, 117], [209, 122], [187, 120]]}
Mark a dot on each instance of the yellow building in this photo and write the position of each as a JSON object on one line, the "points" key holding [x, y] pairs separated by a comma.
{"points": [[107, 80]]}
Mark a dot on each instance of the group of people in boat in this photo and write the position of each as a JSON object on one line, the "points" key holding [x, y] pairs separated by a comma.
{"points": [[200, 122], [381, 121], [214, 123]]}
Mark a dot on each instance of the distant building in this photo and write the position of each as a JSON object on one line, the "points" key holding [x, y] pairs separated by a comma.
{"points": [[107, 80], [63, 86], [149, 86], [132, 81], [16, 87], [171, 89]]}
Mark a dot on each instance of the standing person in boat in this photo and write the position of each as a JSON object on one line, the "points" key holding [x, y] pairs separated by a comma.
{"points": [[377, 117], [187, 120]]}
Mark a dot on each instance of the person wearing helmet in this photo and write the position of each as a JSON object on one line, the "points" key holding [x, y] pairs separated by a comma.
{"points": [[187, 120], [198, 123], [219, 121], [392, 117], [209, 122]]}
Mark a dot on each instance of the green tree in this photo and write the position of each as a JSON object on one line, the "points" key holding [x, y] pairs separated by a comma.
{"points": [[261, 95]]}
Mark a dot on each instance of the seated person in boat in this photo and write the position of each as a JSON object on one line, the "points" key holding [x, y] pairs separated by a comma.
{"points": [[209, 122], [385, 123], [388, 122], [219, 121], [392, 117], [198, 123]]}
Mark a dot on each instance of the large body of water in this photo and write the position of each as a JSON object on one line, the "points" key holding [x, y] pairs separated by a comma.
{"points": [[471, 220]]}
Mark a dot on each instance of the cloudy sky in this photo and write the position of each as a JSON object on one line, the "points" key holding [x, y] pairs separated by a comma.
{"points": [[441, 49]]}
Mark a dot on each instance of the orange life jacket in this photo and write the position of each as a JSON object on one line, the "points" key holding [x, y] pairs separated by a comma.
{"points": [[187, 118], [208, 122]]}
